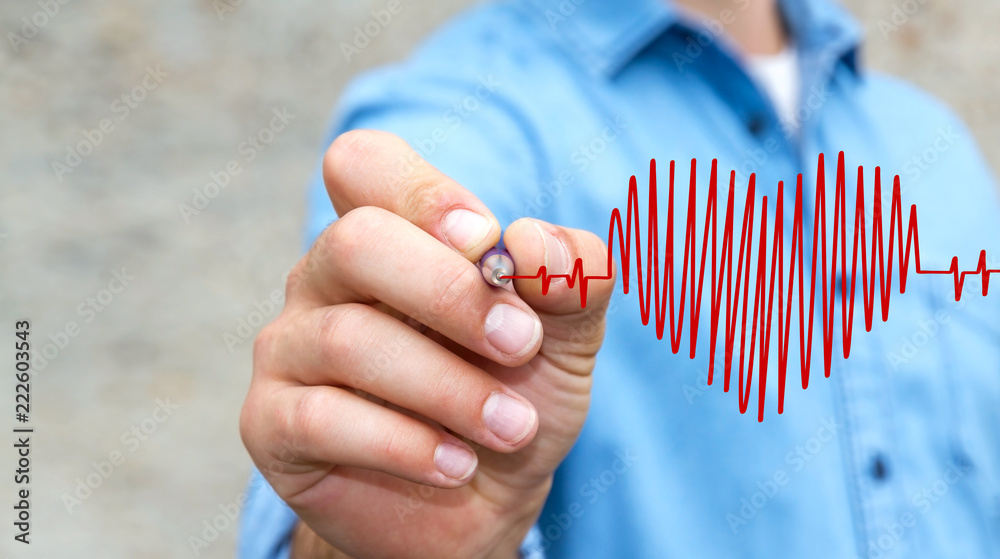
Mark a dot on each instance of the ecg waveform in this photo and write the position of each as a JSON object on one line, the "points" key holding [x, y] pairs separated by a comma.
{"points": [[724, 297]]}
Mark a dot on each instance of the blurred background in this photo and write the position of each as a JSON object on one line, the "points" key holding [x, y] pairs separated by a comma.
{"points": [[149, 284]]}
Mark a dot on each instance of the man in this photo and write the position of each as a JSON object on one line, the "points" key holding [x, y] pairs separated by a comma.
{"points": [[401, 407]]}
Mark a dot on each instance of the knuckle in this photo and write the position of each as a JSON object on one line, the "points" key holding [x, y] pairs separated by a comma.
{"points": [[410, 184], [347, 237], [452, 388], [265, 346], [303, 419], [298, 275], [338, 333], [354, 149], [364, 218], [346, 150], [392, 444], [248, 426], [454, 287], [379, 357]]}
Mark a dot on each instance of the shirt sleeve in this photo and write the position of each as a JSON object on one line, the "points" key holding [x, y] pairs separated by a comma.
{"points": [[266, 522], [532, 547], [470, 134]]}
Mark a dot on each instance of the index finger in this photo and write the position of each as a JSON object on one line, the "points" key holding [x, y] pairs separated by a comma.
{"points": [[375, 168]]}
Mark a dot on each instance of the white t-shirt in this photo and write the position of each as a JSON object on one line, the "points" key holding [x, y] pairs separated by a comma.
{"points": [[778, 75]]}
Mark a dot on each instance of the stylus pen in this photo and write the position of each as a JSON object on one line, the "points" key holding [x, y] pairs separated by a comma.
{"points": [[497, 266]]}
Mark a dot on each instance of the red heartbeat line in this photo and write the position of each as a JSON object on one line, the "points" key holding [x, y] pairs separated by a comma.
{"points": [[764, 297]]}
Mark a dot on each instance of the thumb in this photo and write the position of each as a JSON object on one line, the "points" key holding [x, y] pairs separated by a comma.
{"points": [[573, 334]]}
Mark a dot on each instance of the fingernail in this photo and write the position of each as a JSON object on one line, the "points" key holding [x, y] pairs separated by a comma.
{"points": [[556, 253], [509, 419], [511, 330], [465, 229], [454, 461]]}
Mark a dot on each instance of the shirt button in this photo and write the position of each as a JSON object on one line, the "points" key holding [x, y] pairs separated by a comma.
{"points": [[962, 461], [755, 125], [879, 470]]}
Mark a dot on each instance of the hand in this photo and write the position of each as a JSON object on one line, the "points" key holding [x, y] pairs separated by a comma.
{"points": [[399, 404]]}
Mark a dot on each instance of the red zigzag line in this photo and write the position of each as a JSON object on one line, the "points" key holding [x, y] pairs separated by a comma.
{"points": [[659, 296]]}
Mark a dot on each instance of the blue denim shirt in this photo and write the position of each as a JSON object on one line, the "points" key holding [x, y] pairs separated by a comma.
{"points": [[546, 108]]}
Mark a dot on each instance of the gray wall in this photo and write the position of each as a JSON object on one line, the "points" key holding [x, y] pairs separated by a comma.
{"points": [[162, 338]]}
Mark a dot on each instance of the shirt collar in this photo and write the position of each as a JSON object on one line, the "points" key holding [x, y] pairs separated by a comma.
{"points": [[606, 35]]}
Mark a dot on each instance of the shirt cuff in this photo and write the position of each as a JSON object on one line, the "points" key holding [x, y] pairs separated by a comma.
{"points": [[531, 548], [266, 523]]}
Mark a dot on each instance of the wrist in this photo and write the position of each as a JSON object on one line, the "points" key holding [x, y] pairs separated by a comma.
{"points": [[513, 526], [522, 520], [307, 545]]}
